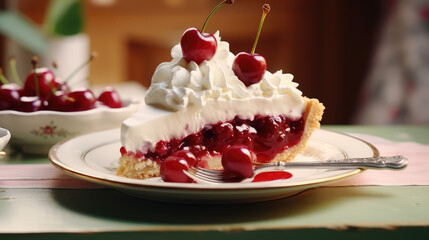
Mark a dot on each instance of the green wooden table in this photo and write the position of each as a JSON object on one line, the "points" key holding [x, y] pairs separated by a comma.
{"points": [[376, 212]]}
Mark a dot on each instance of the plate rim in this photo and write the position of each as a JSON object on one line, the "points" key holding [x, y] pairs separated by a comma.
{"points": [[55, 161]]}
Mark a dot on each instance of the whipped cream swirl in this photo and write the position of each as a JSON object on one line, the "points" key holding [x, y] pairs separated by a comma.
{"points": [[178, 84]]}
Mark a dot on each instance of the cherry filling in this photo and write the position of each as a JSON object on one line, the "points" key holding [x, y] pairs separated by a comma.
{"points": [[266, 136]]}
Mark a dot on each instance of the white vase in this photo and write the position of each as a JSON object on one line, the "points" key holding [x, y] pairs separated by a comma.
{"points": [[69, 53]]}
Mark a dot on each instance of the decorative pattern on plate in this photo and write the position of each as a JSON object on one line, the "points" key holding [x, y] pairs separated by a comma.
{"points": [[51, 130]]}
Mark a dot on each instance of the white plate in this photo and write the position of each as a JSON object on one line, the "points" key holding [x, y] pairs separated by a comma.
{"points": [[4, 138], [94, 157]]}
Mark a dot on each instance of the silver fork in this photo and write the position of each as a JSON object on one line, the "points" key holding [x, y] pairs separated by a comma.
{"points": [[397, 162]]}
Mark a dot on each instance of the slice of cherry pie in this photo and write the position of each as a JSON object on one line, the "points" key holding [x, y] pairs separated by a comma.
{"points": [[204, 109]]}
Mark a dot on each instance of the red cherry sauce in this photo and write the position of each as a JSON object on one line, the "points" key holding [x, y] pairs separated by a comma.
{"points": [[265, 135], [271, 176]]}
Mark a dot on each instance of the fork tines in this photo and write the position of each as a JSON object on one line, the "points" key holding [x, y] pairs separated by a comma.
{"points": [[210, 176]]}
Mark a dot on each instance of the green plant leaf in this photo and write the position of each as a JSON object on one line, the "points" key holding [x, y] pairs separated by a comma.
{"points": [[21, 30], [64, 17]]}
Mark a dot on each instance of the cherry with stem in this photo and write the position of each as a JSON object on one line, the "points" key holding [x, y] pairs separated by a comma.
{"points": [[198, 46], [40, 82], [56, 70], [251, 67]]}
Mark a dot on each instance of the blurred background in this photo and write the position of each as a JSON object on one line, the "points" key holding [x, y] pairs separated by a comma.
{"points": [[332, 47]]}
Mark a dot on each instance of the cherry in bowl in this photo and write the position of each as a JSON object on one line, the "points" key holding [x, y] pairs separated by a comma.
{"points": [[110, 97], [40, 82]]}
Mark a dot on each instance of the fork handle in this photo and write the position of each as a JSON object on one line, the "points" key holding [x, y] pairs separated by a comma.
{"points": [[393, 162]]}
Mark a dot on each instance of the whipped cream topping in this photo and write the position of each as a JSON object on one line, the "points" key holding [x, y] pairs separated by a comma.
{"points": [[178, 84]]}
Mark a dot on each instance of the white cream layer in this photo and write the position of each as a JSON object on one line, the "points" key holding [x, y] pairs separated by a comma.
{"points": [[150, 124]]}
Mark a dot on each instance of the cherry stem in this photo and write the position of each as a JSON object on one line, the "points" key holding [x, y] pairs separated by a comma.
{"points": [[15, 75], [70, 99], [34, 62], [214, 10], [265, 10], [3, 79], [91, 57], [55, 65]]}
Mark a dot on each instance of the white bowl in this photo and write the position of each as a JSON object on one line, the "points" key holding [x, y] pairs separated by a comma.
{"points": [[37, 132], [4, 138]]}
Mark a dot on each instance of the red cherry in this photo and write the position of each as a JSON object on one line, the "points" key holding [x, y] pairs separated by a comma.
{"points": [[82, 100], [197, 46], [188, 156], [238, 160], [10, 96], [249, 68], [60, 101], [30, 104], [110, 98], [46, 82], [193, 139], [172, 170]]}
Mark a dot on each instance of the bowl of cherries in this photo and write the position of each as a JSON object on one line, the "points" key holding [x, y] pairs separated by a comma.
{"points": [[43, 110]]}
